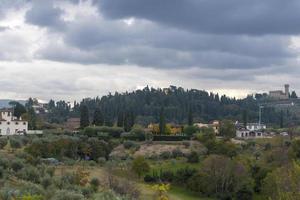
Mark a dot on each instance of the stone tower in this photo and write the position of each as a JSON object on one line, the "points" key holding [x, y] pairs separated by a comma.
{"points": [[287, 90]]}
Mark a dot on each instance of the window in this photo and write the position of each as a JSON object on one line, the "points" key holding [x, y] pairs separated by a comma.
{"points": [[8, 123], [17, 123], [24, 123]]}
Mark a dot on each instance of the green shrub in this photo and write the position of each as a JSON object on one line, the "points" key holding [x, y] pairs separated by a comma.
{"points": [[165, 155], [177, 153], [3, 142], [101, 161], [190, 130], [92, 131], [46, 182], [15, 143], [131, 145], [95, 183], [170, 137], [4, 163], [29, 173], [193, 157], [67, 195], [17, 165]]}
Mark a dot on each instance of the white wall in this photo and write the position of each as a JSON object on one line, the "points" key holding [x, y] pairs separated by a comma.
{"points": [[11, 126]]}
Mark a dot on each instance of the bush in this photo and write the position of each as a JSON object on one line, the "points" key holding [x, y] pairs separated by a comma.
{"points": [[182, 176], [170, 138], [2, 172], [130, 145], [3, 142], [150, 179], [101, 161], [95, 183], [190, 130], [167, 176], [46, 182], [112, 131], [193, 157], [15, 143], [4, 163], [177, 153], [17, 165], [87, 192], [67, 195], [140, 166], [165, 155], [29, 173]]}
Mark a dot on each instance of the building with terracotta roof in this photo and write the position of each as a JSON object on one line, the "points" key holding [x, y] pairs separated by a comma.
{"points": [[11, 125]]}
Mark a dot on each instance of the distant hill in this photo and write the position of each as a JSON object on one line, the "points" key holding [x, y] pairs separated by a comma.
{"points": [[5, 102]]}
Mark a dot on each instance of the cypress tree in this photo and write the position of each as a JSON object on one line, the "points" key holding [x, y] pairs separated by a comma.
{"points": [[281, 119], [245, 118], [162, 121], [84, 116], [190, 117], [98, 117], [120, 120]]}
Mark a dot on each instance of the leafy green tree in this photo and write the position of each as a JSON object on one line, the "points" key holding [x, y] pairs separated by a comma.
{"points": [[227, 129], [98, 117], [84, 116], [19, 109], [283, 183], [220, 175], [190, 130], [294, 95], [140, 166]]}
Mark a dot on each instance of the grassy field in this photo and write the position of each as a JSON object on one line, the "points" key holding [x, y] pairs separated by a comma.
{"points": [[147, 193], [175, 193]]}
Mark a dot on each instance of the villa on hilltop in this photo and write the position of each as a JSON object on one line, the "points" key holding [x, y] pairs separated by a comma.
{"points": [[11, 125], [279, 94]]}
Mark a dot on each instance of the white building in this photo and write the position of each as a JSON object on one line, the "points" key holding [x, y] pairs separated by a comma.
{"points": [[11, 125], [255, 126], [252, 130]]}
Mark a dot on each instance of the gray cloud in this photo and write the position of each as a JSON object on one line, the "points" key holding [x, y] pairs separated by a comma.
{"points": [[206, 44], [45, 14], [212, 16], [150, 45]]}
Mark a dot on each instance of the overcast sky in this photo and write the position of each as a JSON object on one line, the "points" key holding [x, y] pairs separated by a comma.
{"points": [[70, 49]]}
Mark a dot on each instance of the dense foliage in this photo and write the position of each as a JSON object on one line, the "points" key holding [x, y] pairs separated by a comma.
{"points": [[172, 104]]}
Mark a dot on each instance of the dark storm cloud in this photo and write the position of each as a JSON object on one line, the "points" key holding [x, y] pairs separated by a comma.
{"points": [[150, 45], [175, 34], [212, 16], [44, 14]]}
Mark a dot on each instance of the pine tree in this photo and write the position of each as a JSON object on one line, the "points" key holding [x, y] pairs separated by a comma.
{"points": [[98, 117], [162, 121], [84, 116]]}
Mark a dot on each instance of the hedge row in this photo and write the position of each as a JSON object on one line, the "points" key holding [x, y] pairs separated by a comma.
{"points": [[170, 137]]}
